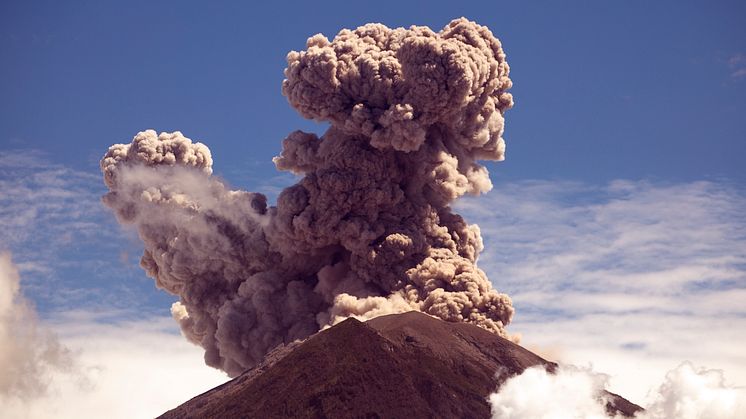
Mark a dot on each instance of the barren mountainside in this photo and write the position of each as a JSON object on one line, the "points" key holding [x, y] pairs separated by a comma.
{"points": [[406, 365]]}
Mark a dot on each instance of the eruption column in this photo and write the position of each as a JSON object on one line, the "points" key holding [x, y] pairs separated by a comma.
{"points": [[367, 231]]}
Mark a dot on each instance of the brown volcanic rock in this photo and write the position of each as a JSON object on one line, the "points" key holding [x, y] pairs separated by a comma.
{"points": [[406, 365]]}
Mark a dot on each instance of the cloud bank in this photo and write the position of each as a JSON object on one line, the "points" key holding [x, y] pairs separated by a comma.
{"points": [[368, 230], [128, 369]]}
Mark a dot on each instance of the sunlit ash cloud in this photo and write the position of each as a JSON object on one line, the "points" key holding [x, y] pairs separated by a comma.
{"points": [[369, 228]]}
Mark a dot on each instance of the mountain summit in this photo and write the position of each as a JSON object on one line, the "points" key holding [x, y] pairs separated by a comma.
{"points": [[408, 365]]}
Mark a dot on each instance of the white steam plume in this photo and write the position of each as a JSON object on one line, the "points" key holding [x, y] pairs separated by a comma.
{"points": [[367, 231], [569, 392], [687, 392]]}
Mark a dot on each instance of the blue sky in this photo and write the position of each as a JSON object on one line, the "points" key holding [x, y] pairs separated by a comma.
{"points": [[621, 195], [603, 90]]}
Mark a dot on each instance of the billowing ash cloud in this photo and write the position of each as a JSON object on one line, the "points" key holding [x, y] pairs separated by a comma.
{"points": [[367, 231], [28, 352]]}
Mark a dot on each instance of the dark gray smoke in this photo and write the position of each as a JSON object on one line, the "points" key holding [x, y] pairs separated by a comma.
{"points": [[367, 231]]}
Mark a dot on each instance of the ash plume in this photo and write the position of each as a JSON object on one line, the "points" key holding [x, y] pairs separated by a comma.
{"points": [[367, 231]]}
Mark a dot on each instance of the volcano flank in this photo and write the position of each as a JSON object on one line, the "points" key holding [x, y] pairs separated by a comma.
{"points": [[408, 365]]}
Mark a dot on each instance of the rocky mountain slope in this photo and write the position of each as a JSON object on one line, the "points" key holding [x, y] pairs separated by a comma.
{"points": [[406, 365]]}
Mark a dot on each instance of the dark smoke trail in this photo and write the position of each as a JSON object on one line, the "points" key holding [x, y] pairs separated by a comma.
{"points": [[367, 231]]}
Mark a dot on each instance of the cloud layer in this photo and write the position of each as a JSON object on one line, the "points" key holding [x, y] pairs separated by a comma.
{"points": [[52, 220], [636, 230], [126, 369], [632, 276]]}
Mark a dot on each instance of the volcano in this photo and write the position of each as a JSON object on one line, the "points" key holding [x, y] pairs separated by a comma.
{"points": [[408, 365]]}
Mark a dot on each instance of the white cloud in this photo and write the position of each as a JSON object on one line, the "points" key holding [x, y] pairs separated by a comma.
{"points": [[737, 64], [687, 392], [569, 393], [64, 242], [633, 277], [29, 353], [95, 364], [129, 369], [46, 202], [52, 220]]}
